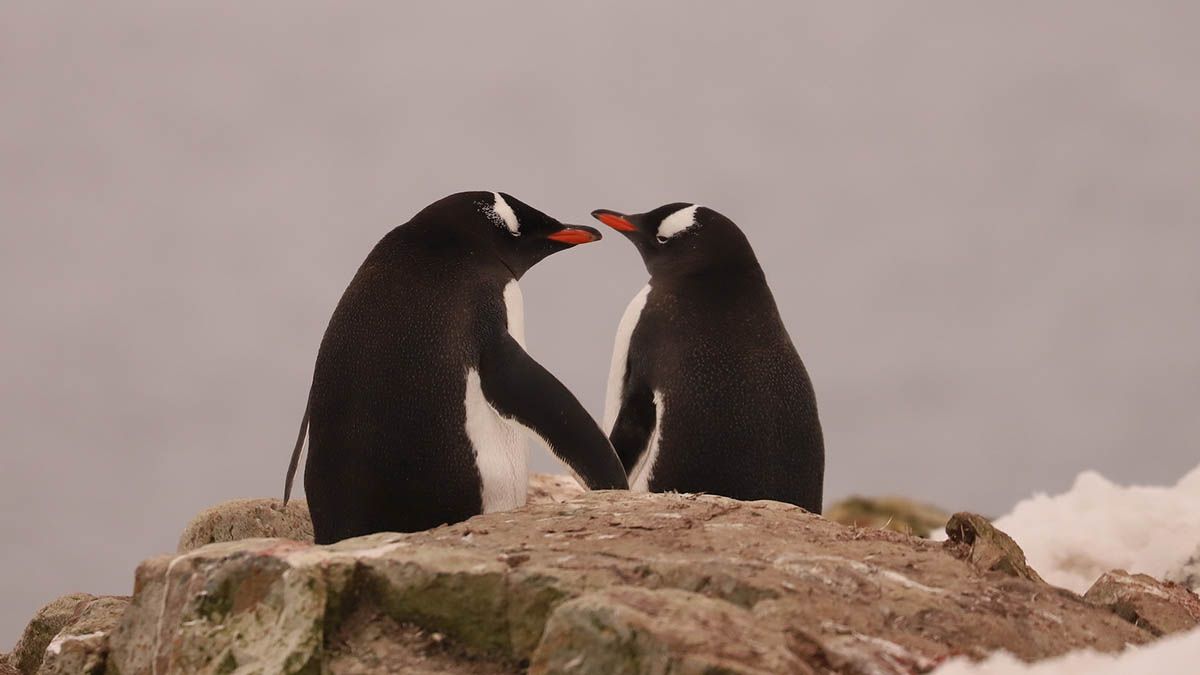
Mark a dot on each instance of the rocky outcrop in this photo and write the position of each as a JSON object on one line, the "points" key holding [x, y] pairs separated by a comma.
{"points": [[270, 518], [548, 488], [26, 656], [247, 519], [68, 635], [604, 582], [82, 646], [897, 514], [637, 630], [977, 541], [1161, 608]]}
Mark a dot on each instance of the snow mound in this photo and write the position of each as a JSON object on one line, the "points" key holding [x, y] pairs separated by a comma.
{"points": [[1175, 655], [1097, 526]]}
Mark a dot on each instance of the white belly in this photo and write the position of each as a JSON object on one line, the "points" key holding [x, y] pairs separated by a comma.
{"points": [[501, 447], [639, 478], [501, 451], [620, 358]]}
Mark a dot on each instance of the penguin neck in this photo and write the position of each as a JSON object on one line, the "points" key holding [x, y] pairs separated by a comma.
{"points": [[726, 268], [433, 243]]}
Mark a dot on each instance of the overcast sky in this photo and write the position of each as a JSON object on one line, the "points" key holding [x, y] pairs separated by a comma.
{"points": [[981, 225]]}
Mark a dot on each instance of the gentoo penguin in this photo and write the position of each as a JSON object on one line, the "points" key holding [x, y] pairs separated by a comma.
{"points": [[422, 387], [706, 392]]}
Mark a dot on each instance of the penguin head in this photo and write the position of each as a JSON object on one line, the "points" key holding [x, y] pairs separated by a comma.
{"points": [[681, 238], [500, 224]]}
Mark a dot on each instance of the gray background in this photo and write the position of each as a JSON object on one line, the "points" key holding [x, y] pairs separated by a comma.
{"points": [[981, 225]]}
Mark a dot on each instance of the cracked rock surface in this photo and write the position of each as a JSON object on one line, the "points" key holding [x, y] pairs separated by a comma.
{"points": [[603, 582], [1160, 607]]}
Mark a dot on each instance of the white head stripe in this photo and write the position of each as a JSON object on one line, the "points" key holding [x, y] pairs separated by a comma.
{"points": [[677, 222], [504, 215]]}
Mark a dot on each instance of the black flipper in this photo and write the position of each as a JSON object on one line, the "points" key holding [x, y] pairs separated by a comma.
{"points": [[520, 388], [291, 474], [635, 423]]}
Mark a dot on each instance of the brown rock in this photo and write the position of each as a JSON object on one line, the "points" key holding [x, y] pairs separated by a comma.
{"points": [[893, 513], [270, 519], [548, 488], [1161, 608], [974, 539], [26, 656], [82, 646], [6, 667], [248, 519], [835, 598], [637, 630], [371, 643]]}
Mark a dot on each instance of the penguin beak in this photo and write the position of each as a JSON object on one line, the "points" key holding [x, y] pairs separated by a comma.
{"points": [[575, 234], [616, 221]]}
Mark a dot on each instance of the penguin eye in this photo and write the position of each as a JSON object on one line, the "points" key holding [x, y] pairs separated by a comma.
{"points": [[661, 239]]}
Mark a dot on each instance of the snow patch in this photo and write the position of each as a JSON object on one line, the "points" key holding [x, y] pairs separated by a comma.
{"points": [[1174, 655], [1097, 526]]}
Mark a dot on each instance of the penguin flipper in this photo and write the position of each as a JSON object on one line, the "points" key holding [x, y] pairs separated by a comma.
{"points": [[520, 389], [291, 472], [634, 425]]}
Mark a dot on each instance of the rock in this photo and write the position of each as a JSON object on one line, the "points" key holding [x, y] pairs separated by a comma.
{"points": [[6, 667], [974, 539], [1188, 574], [551, 488], [637, 630], [82, 646], [246, 519], [713, 579], [370, 643], [26, 656], [893, 513], [269, 518], [1161, 608]]}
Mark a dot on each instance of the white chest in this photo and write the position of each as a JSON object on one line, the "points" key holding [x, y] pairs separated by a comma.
{"points": [[620, 358], [501, 449], [639, 478]]}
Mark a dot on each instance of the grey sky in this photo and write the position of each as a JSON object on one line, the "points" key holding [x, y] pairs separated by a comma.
{"points": [[981, 225]]}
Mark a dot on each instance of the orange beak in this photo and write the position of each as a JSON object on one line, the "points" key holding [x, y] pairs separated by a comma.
{"points": [[614, 220], [575, 234]]}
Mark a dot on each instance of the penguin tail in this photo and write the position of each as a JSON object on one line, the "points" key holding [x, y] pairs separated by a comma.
{"points": [[291, 472]]}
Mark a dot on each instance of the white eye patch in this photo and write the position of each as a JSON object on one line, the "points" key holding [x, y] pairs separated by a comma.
{"points": [[502, 215], [680, 221]]}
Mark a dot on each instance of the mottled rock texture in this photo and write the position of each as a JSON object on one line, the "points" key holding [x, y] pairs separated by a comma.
{"points": [[26, 656], [604, 582], [67, 636], [973, 539], [269, 518], [1161, 608], [247, 519]]}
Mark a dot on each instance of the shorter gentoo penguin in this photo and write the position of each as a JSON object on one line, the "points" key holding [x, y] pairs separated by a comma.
{"points": [[422, 388], [706, 392]]}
